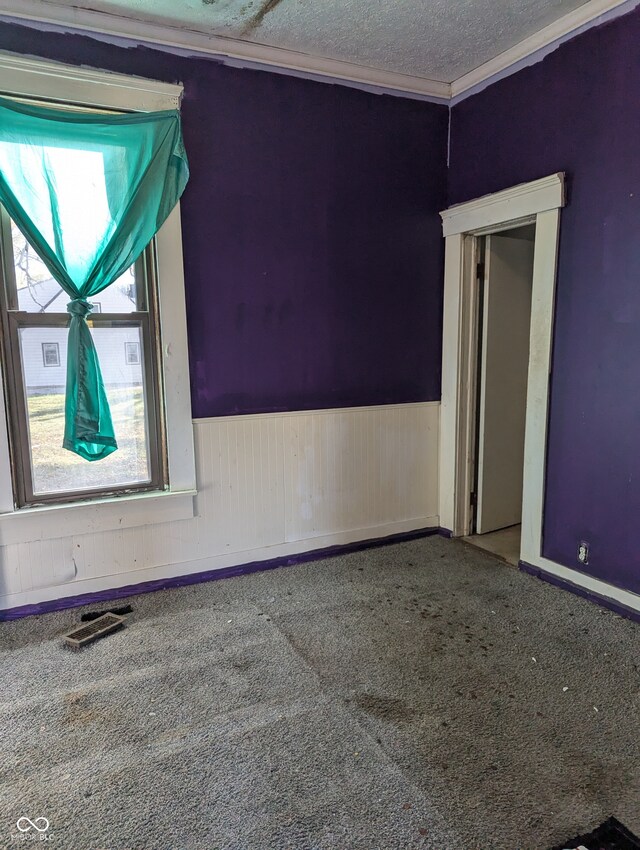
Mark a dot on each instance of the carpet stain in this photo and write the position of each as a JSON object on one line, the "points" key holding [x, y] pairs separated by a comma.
{"points": [[77, 708], [603, 783], [178, 733], [391, 709]]}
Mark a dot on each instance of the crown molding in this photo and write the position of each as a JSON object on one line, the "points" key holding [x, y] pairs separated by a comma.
{"points": [[248, 54], [193, 41], [566, 27]]}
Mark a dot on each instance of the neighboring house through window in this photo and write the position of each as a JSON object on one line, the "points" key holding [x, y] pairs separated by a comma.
{"points": [[51, 353], [132, 353]]}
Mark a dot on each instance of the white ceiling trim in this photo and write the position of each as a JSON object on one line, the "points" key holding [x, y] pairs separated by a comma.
{"points": [[250, 54], [564, 27], [198, 42]]}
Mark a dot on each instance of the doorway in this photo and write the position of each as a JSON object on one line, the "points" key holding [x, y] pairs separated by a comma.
{"points": [[540, 202], [465, 228], [503, 292]]}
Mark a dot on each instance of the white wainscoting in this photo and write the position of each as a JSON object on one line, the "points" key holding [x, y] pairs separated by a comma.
{"points": [[269, 485]]}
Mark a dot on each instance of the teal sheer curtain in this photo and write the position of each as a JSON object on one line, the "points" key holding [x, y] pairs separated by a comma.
{"points": [[89, 191]]}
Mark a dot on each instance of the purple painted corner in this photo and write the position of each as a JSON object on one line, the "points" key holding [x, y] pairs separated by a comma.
{"points": [[578, 111], [312, 242]]}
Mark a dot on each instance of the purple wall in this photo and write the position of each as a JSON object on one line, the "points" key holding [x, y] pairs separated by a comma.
{"points": [[579, 111], [313, 257]]}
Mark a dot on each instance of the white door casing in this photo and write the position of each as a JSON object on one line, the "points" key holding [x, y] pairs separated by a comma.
{"points": [[539, 201]]}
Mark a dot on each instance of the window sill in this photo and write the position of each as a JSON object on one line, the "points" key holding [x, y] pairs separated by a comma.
{"points": [[70, 520]]}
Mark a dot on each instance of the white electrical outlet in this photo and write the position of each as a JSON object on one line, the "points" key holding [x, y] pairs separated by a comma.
{"points": [[583, 552]]}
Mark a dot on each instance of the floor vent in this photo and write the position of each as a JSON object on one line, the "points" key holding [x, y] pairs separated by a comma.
{"points": [[77, 638], [93, 615]]}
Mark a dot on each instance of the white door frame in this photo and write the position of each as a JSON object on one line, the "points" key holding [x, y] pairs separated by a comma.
{"points": [[539, 201]]}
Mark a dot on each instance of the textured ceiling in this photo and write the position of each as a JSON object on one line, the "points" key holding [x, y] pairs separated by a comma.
{"points": [[436, 39]]}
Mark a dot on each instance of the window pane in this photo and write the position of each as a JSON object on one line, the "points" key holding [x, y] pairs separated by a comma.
{"points": [[55, 469], [38, 292]]}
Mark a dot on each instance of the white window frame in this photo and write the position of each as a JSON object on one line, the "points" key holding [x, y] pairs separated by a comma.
{"points": [[31, 78]]}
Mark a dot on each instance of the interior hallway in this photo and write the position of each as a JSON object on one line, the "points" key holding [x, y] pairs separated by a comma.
{"points": [[504, 544], [420, 695]]}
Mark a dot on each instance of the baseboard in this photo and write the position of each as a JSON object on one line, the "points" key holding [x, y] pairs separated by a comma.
{"points": [[596, 598], [181, 575]]}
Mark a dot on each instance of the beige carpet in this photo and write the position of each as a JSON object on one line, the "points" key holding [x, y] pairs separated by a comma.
{"points": [[422, 695]]}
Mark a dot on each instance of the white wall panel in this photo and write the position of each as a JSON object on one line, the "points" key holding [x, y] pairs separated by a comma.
{"points": [[359, 468], [269, 485]]}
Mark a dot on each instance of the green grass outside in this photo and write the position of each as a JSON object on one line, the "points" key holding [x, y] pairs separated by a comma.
{"points": [[57, 469]]}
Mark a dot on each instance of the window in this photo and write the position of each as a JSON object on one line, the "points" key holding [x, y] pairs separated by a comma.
{"points": [[71, 513], [131, 353], [34, 323], [51, 353]]}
